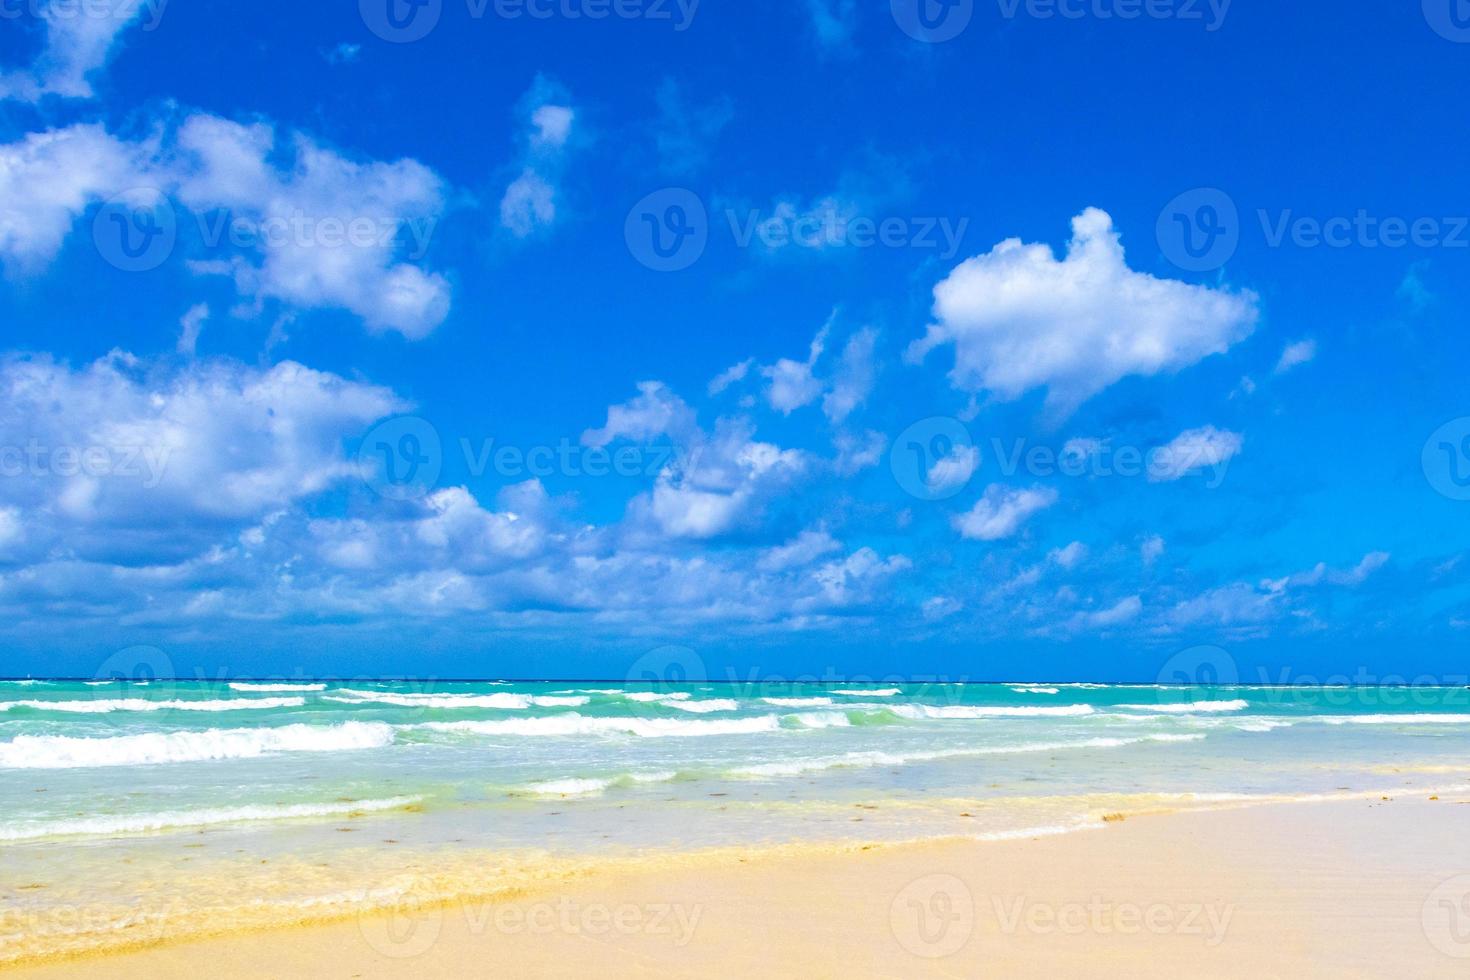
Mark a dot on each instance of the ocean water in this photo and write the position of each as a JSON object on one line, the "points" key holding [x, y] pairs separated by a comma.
{"points": [[134, 811]]}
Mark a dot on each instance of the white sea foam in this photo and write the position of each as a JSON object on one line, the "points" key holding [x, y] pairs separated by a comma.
{"points": [[1035, 690], [703, 707], [506, 702], [1207, 707], [882, 692], [647, 696], [575, 724], [102, 707], [62, 752], [1414, 719], [594, 787], [142, 823], [798, 702], [247, 686], [921, 711], [797, 767]]}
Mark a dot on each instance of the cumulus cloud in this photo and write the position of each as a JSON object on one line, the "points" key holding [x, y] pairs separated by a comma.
{"points": [[189, 326], [1002, 511], [1192, 451], [78, 39], [330, 225], [1151, 549], [792, 384], [656, 411], [1068, 557], [48, 180], [317, 231], [801, 550], [1020, 319], [1296, 354], [144, 450], [529, 203]]}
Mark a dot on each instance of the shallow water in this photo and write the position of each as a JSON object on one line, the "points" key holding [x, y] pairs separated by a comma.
{"points": [[171, 806]]}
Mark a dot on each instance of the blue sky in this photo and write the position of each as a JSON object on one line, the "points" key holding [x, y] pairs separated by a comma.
{"points": [[517, 341]]}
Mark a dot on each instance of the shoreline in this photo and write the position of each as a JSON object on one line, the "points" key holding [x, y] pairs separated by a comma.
{"points": [[1210, 868]]}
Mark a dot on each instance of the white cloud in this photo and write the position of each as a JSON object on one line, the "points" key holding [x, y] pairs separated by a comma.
{"points": [[851, 580], [801, 550], [1020, 319], [656, 411], [791, 384], [1125, 610], [79, 39], [940, 607], [47, 181], [1298, 353], [953, 470], [734, 374], [853, 380], [1151, 549], [529, 203], [1001, 511], [144, 450], [329, 226], [1068, 557], [321, 231], [1193, 450], [189, 326]]}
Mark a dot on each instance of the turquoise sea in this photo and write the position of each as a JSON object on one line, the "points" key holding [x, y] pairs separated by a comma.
{"points": [[131, 809]]}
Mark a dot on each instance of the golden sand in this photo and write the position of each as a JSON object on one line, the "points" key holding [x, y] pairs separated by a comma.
{"points": [[1362, 888]]}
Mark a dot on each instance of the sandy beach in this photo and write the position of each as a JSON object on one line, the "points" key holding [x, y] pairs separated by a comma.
{"points": [[1365, 888]]}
